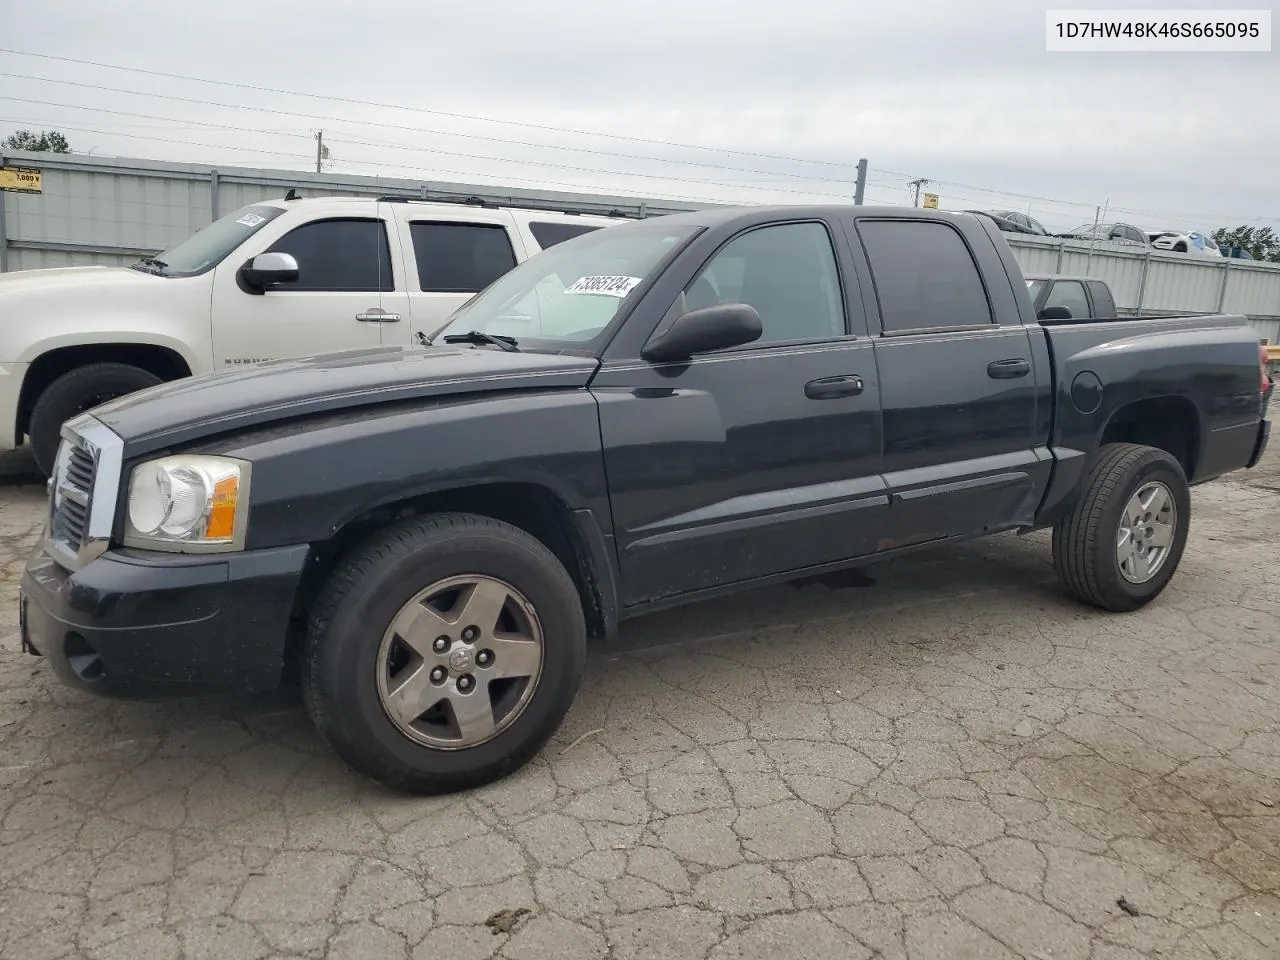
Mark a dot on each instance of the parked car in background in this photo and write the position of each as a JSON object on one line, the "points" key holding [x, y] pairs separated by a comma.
{"points": [[1192, 241], [1011, 221], [1237, 253], [640, 418], [1109, 232], [1088, 298], [273, 279]]}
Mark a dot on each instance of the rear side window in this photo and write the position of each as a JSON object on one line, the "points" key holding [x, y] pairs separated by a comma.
{"points": [[339, 255], [924, 275], [1104, 306], [549, 234], [460, 257]]}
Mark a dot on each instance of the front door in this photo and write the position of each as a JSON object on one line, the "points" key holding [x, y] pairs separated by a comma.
{"points": [[753, 461], [959, 390], [346, 294]]}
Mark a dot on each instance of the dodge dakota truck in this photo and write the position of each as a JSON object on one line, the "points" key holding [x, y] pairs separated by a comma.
{"points": [[274, 279], [637, 418]]}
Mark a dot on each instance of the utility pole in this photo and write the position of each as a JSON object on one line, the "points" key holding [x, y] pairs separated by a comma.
{"points": [[917, 184], [320, 150], [861, 186]]}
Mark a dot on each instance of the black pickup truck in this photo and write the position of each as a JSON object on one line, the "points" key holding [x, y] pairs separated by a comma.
{"points": [[636, 418]]}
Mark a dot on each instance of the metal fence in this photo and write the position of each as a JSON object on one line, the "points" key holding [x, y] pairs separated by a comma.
{"points": [[97, 210]]}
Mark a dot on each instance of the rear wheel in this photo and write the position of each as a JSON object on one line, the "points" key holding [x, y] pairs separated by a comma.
{"points": [[1121, 544], [73, 393], [445, 653]]}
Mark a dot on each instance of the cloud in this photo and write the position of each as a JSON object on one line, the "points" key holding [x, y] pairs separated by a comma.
{"points": [[963, 94]]}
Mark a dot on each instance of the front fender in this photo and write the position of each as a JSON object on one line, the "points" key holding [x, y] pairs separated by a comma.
{"points": [[311, 478]]}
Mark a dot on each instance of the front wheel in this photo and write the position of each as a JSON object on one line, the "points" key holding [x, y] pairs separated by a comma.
{"points": [[73, 393], [1121, 544], [444, 654]]}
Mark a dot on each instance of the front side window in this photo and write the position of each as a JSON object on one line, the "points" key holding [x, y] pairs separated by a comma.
{"points": [[460, 257], [207, 248], [567, 296], [924, 275], [1069, 294], [786, 272], [339, 255]]}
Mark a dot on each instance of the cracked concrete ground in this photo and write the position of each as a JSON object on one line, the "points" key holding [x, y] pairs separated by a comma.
{"points": [[955, 761]]}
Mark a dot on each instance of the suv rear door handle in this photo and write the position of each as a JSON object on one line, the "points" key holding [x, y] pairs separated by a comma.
{"points": [[1008, 369], [827, 388], [377, 315]]}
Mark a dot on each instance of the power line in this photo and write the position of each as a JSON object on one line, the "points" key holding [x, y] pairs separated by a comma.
{"points": [[432, 150], [439, 113], [411, 129], [555, 129], [309, 158]]}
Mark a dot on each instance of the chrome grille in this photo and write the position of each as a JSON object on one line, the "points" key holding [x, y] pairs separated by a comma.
{"points": [[83, 491]]}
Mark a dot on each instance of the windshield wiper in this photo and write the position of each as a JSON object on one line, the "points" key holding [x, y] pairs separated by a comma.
{"points": [[510, 344], [150, 265]]}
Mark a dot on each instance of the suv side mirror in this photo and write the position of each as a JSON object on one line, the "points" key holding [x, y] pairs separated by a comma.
{"points": [[1055, 313], [268, 268], [709, 328]]}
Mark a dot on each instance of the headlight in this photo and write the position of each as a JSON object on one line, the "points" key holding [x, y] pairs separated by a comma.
{"points": [[188, 503]]}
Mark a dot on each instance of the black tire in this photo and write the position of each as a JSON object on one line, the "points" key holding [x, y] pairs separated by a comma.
{"points": [[73, 393], [1084, 541], [366, 592]]}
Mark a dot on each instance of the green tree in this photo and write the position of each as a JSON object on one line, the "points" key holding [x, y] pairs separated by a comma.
{"points": [[47, 141], [1261, 242]]}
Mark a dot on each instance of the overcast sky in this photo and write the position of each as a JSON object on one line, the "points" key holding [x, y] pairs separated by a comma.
{"points": [[784, 98]]}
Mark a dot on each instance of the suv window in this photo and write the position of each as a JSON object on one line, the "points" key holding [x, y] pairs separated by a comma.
{"points": [[1069, 294], [460, 257], [787, 272], [339, 255], [549, 234], [924, 275]]}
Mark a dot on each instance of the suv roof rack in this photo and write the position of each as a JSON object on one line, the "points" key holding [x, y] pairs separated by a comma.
{"points": [[641, 212]]}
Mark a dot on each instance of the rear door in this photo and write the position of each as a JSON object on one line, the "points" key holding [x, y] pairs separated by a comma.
{"points": [[758, 460], [452, 257], [958, 379]]}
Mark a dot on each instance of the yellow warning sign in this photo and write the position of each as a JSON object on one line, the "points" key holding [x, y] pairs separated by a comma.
{"points": [[20, 179], [931, 201]]}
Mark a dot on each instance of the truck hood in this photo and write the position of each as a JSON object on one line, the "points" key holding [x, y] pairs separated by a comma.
{"points": [[278, 390]]}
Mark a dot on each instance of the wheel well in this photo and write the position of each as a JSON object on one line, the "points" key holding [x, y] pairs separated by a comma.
{"points": [[532, 508], [48, 367], [1167, 423]]}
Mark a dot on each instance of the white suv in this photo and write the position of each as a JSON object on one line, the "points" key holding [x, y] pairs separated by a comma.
{"points": [[276, 279]]}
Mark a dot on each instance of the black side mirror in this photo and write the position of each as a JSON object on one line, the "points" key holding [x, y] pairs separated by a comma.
{"points": [[1055, 313], [268, 268], [700, 331]]}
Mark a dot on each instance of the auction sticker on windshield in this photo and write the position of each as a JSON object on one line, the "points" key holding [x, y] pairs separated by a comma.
{"points": [[604, 286], [251, 220]]}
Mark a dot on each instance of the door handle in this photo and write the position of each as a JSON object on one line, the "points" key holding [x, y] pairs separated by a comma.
{"points": [[1008, 369], [377, 315], [827, 388]]}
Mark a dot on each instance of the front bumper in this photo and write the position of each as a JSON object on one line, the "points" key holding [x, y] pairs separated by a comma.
{"points": [[143, 625]]}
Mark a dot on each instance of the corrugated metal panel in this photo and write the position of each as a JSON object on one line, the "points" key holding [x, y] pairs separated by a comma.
{"points": [[110, 211], [1158, 282]]}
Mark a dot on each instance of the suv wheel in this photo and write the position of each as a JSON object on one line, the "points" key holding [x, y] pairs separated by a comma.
{"points": [[72, 394], [445, 653], [1121, 544]]}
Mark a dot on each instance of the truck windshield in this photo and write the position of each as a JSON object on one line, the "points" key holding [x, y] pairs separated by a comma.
{"points": [[207, 248], [1033, 288], [567, 295]]}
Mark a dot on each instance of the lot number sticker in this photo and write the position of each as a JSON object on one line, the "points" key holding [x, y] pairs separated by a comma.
{"points": [[251, 220], [604, 286]]}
